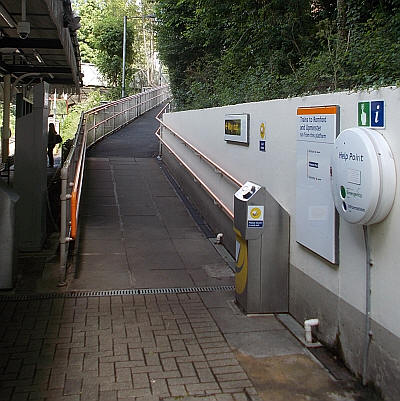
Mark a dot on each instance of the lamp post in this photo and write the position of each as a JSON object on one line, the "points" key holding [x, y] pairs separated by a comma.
{"points": [[124, 57], [151, 16]]}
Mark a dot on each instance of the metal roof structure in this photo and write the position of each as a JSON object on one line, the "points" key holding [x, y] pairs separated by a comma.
{"points": [[38, 41]]}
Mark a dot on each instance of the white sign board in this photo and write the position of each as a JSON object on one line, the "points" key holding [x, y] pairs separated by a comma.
{"points": [[316, 218]]}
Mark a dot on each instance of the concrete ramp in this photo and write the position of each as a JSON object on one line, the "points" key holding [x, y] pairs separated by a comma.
{"points": [[135, 231]]}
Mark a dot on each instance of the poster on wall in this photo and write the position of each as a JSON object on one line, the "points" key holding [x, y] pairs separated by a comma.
{"points": [[316, 217]]}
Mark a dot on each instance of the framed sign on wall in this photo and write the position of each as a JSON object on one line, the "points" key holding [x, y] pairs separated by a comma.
{"points": [[237, 128]]}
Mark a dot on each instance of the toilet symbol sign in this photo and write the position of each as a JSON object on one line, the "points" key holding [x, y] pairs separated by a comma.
{"points": [[371, 114]]}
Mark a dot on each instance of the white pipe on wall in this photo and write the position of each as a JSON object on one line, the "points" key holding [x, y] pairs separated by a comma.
{"points": [[308, 324]]}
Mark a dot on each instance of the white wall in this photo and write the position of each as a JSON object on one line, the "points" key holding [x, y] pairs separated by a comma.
{"points": [[276, 170]]}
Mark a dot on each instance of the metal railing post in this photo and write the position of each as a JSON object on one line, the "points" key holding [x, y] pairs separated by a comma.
{"points": [[107, 125], [90, 123], [103, 125], [160, 143], [63, 227], [94, 124]]}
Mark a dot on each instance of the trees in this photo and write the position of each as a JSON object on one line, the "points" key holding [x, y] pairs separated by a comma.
{"points": [[89, 12], [101, 37], [248, 50], [108, 42]]}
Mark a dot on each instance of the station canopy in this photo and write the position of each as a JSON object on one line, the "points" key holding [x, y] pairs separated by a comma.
{"points": [[38, 41]]}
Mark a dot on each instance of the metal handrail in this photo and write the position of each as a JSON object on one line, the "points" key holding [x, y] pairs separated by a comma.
{"points": [[65, 228], [216, 199], [99, 108], [104, 106], [202, 183], [72, 171], [198, 152], [76, 188], [121, 112]]}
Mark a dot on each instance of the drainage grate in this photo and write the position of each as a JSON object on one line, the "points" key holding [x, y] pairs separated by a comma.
{"points": [[110, 293]]}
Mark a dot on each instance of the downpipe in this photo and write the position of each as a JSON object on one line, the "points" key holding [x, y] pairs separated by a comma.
{"points": [[308, 325], [368, 331]]}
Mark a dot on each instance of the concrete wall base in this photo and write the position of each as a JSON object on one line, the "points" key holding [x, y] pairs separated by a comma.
{"points": [[341, 325], [342, 328], [212, 214]]}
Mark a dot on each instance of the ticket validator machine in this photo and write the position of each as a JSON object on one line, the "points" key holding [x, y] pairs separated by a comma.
{"points": [[262, 251]]}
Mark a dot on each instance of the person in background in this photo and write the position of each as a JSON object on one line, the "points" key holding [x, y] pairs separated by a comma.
{"points": [[51, 143]]}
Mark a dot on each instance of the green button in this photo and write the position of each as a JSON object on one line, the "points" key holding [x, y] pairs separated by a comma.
{"points": [[342, 191]]}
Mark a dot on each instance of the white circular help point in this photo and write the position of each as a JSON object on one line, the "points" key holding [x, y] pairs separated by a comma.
{"points": [[363, 176]]}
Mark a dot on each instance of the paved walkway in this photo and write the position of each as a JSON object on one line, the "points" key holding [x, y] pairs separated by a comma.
{"points": [[135, 232], [117, 348]]}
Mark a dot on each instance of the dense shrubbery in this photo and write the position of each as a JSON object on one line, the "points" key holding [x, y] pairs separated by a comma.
{"points": [[226, 52], [101, 41], [70, 124]]}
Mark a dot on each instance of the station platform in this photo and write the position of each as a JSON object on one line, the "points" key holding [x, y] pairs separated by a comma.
{"points": [[150, 312]]}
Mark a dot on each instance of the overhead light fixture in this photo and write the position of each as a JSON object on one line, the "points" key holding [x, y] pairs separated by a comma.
{"points": [[38, 56], [7, 17]]}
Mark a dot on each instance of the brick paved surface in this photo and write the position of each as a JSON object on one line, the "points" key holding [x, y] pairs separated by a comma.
{"points": [[117, 348], [137, 233]]}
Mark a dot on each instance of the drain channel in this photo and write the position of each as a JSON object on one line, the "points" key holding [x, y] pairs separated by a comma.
{"points": [[110, 293]]}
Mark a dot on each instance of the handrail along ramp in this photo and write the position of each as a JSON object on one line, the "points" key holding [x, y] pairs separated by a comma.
{"points": [[94, 125]]}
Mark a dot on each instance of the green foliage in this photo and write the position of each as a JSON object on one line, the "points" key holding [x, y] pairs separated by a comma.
{"points": [[223, 52], [70, 124], [90, 14], [12, 118], [101, 39], [108, 43]]}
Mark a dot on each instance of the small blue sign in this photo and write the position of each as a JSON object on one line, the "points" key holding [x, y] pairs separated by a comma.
{"points": [[257, 223], [262, 146], [378, 114], [313, 164]]}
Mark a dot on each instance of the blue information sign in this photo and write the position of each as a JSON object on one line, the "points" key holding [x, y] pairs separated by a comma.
{"points": [[378, 114], [371, 114]]}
